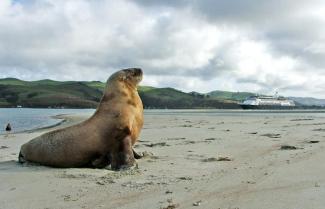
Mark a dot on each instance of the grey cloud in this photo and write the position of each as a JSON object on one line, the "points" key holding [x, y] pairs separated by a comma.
{"points": [[193, 40], [254, 11], [166, 3], [280, 22]]}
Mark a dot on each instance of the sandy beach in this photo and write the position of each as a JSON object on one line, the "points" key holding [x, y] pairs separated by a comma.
{"points": [[228, 162]]}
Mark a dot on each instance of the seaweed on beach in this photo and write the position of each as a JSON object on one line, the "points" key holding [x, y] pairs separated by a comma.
{"points": [[214, 159], [160, 144], [270, 135], [288, 147], [301, 119], [319, 129]]}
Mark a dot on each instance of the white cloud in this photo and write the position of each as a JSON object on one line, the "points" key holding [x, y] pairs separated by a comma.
{"points": [[205, 45]]}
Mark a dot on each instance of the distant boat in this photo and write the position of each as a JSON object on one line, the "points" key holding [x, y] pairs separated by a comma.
{"points": [[19, 106], [267, 102]]}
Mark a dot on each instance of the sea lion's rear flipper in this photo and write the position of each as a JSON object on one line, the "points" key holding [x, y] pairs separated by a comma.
{"points": [[21, 158], [136, 155]]}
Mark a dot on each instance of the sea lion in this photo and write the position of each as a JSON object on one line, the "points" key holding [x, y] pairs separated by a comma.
{"points": [[105, 138]]}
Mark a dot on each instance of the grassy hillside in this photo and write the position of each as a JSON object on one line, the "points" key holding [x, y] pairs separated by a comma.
{"points": [[175, 99], [47, 93], [87, 94], [227, 95]]}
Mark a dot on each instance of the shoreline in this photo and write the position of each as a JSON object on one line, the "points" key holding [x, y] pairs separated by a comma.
{"points": [[66, 120], [62, 121], [69, 118], [63, 117]]}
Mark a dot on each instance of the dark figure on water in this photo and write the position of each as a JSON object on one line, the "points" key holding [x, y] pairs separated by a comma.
{"points": [[8, 127]]}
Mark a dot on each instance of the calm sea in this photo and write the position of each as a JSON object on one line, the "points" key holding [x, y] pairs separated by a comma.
{"points": [[23, 119]]}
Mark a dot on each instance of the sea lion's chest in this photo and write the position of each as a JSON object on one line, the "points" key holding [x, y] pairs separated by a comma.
{"points": [[138, 118]]}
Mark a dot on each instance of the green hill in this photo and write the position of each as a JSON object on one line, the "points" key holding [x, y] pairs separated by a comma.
{"points": [[47, 93], [175, 99], [13, 81], [87, 94], [227, 95]]}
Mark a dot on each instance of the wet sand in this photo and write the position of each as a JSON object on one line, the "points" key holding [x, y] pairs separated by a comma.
{"points": [[191, 161]]}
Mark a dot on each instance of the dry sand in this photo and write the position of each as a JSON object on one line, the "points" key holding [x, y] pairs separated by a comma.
{"points": [[208, 162]]}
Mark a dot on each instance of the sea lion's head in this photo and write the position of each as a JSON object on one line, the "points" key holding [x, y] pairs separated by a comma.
{"points": [[130, 76]]}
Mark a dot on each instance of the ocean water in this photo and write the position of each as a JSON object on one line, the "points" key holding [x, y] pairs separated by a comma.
{"points": [[24, 119]]}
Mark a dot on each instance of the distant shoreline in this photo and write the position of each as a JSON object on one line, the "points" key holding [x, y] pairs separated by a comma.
{"points": [[68, 119]]}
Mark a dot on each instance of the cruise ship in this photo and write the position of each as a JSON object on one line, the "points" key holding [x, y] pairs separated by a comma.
{"points": [[267, 102]]}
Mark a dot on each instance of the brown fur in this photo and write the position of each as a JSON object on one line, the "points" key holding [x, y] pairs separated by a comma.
{"points": [[106, 137]]}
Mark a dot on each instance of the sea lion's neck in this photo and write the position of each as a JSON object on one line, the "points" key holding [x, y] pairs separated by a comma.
{"points": [[124, 89], [115, 93]]}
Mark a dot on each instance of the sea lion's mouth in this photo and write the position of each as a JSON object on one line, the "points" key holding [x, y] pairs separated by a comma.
{"points": [[139, 78]]}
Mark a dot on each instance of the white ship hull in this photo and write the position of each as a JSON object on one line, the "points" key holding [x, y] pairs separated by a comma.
{"points": [[266, 107]]}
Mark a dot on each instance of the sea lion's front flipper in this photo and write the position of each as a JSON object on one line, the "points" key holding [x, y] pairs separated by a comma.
{"points": [[136, 155], [122, 154], [101, 162]]}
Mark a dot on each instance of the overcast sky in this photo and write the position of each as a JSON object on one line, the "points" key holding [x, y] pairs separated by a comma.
{"points": [[196, 45]]}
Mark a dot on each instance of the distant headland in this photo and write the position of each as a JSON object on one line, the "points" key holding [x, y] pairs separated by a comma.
{"points": [[86, 94]]}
